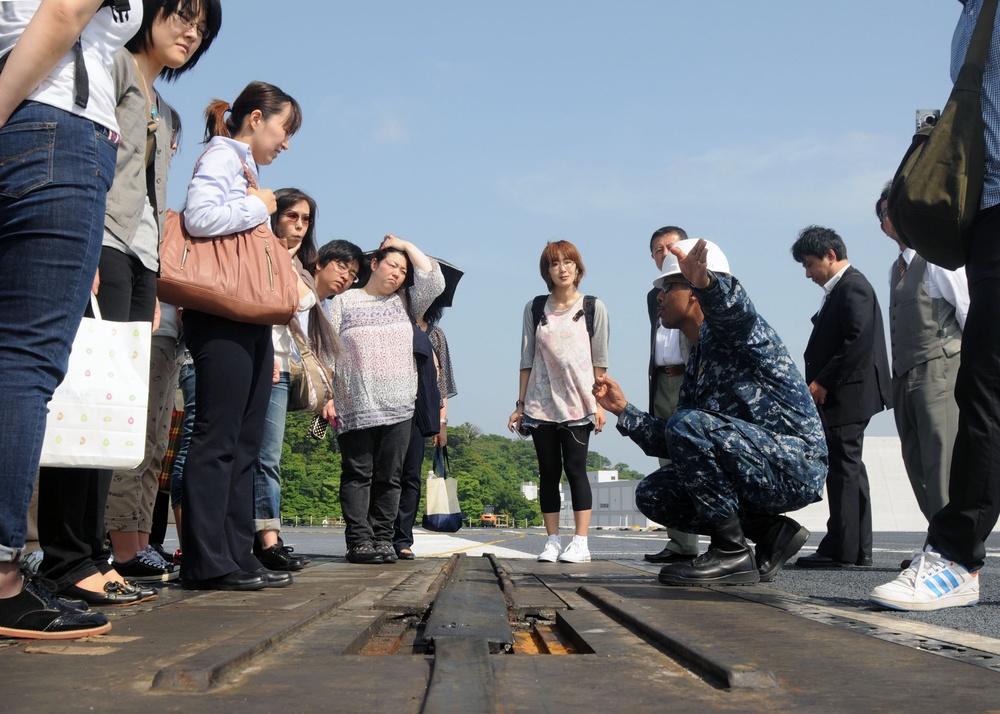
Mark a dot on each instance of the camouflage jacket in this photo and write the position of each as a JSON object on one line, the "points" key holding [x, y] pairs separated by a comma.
{"points": [[739, 369]]}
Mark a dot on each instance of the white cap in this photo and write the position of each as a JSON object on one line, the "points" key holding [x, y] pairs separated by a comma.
{"points": [[717, 262]]}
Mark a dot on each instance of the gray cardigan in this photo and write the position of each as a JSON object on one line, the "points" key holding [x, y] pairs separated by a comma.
{"points": [[133, 180]]}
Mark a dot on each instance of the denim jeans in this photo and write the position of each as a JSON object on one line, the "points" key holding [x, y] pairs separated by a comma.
{"points": [[267, 472], [55, 172], [372, 461], [186, 382]]}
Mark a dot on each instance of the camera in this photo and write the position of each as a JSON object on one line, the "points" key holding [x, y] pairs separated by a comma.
{"points": [[927, 118]]}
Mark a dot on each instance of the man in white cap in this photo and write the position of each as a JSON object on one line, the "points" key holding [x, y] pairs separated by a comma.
{"points": [[746, 443]]}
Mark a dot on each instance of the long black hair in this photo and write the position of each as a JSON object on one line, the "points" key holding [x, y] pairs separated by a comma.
{"points": [[154, 9], [286, 198]]}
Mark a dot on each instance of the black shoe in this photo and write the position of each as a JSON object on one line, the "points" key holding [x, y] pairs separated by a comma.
{"points": [[145, 592], [387, 552], [236, 580], [866, 562], [289, 551], [364, 554], [275, 558], [668, 556], [274, 578], [818, 560], [728, 561], [405, 554], [113, 595], [782, 540], [36, 614]]}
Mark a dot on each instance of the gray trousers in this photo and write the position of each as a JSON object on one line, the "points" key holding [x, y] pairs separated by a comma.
{"points": [[927, 420]]}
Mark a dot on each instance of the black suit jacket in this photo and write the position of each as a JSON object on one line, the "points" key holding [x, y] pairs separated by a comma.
{"points": [[846, 353], [654, 320]]}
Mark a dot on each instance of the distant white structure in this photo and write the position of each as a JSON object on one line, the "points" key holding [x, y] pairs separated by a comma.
{"points": [[529, 489]]}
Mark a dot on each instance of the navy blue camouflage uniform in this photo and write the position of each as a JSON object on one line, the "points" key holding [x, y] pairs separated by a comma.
{"points": [[746, 438]]}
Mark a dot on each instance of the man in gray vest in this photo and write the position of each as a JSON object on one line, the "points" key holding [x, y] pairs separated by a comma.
{"points": [[927, 308], [668, 354]]}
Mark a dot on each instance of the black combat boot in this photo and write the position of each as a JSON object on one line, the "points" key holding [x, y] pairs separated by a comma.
{"points": [[777, 538], [728, 560]]}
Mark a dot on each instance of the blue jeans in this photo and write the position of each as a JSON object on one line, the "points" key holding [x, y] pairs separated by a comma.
{"points": [[186, 382], [55, 172], [267, 472]]}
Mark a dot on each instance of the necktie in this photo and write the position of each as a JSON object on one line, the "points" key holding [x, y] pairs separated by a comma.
{"points": [[901, 266]]}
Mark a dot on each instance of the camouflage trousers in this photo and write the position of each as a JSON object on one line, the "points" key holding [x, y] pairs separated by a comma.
{"points": [[722, 467]]}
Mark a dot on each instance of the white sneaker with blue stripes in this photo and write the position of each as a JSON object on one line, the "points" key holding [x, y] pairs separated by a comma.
{"points": [[930, 583]]}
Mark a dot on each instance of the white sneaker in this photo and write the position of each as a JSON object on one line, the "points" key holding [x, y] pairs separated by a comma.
{"points": [[551, 552], [576, 552], [930, 583]]}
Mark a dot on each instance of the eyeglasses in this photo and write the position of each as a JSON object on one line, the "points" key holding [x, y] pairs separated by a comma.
{"points": [[185, 22], [668, 286], [343, 267], [295, 217]]}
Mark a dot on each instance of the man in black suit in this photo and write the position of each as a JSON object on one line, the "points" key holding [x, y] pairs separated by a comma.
{"points": [[847, 369]]}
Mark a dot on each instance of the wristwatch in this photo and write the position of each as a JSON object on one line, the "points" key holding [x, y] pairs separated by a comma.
{"points": [[519, 403]]}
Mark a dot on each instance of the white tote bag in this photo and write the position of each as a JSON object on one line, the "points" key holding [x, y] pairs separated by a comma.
{"points": [[97, 416]]}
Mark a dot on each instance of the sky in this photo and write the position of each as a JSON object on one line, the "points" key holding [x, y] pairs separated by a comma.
{"points": [[479, 131]]}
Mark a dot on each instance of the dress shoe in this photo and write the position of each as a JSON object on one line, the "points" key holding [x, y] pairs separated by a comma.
{"points": [[275, 558], [780, 542], [818, 560], [669, 556], [728, 560], [275, 578], [112, 596], [145, 592], [865, 562], [405, 554], [236, 580]]}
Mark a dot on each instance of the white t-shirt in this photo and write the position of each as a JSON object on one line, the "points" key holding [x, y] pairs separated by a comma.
{"points": [[101, 39]]}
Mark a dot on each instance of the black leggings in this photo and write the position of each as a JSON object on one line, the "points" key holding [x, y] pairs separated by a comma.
{"points": [[562, 447]]}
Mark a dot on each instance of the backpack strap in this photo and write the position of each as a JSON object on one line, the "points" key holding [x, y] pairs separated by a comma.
{"points": [[588, 312], [538, 310]]}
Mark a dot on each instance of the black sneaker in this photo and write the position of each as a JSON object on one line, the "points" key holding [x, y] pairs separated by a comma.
{"points": [[144, 569], [387, 552], [364, 554], [36, 614], [289, 550], [275, 558]]}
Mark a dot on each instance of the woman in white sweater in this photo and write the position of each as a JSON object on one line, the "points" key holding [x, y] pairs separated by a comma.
{"points": [[375, 386]]}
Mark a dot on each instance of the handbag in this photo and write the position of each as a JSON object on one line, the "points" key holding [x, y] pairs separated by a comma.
{"points": [[97, 415], [443, 513], [310, 382], [245, 276], [935, 194]]}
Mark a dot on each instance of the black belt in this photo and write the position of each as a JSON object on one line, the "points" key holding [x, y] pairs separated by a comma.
{"points": [[671, 370]]}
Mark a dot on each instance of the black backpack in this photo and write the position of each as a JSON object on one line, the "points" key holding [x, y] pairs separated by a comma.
{"points": [[538, 312]]}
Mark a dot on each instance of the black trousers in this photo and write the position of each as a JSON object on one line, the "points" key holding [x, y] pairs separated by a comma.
{"points": [[849, 529], [71, 523], [71, 502], [234, 362], [371, 463], [560, 448], [410, 483], [960, 528]]}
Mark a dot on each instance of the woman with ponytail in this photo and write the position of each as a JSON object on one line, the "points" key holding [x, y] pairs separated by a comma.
{"points": [[234, 361]]}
